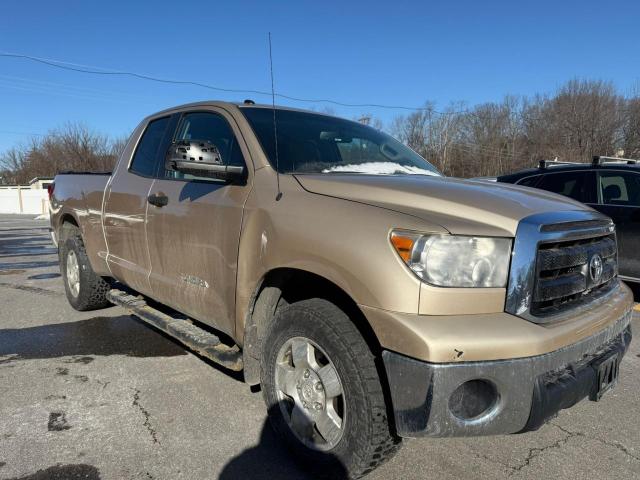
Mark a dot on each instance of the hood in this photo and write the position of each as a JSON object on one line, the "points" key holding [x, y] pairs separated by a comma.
{"points": [[465, 207]]}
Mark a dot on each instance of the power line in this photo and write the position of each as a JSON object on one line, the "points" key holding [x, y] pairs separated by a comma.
{"points": [[96, 70], [63, 65], [12, 132], [66, 86], [38, 89]]}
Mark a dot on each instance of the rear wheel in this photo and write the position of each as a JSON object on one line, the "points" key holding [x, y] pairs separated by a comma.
{"points": [[85, 290], [323, 391]]}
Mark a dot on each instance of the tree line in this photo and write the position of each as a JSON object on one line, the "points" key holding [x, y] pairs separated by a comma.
{"points": [[71, 147], [581, 119]]}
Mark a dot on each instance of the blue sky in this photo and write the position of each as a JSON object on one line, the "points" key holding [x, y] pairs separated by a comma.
{"points": [[398, 53]]}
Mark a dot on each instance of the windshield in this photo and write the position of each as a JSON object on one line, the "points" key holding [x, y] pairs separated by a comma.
{"points": [[313, 143]]}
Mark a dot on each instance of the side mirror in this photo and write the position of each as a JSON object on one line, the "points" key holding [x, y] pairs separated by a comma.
{"points": [[200, 158]]}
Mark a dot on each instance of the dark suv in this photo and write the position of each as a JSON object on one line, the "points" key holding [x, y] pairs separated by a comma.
{"points": [[609, 185]]}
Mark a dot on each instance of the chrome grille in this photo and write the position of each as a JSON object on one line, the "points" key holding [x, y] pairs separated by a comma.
{"points": [[552, 257], [564, 276]]}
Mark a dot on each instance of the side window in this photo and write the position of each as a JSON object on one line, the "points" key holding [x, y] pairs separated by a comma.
{"points": [[529, 181], [569, 184], [619, 188], [212, 128], [145, 159]]}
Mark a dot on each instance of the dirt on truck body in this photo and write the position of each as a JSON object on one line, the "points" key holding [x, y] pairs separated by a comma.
{"points": [[371, 298]]}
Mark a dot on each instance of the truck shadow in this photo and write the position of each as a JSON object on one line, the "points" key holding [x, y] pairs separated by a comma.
{"points": [[30, 245], [121, 335], [26, 265], [28, 235], [270, 460], [64, 472], [98, 336]]}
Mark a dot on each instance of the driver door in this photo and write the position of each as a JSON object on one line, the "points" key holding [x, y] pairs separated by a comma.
{"points": [[193, 233]]}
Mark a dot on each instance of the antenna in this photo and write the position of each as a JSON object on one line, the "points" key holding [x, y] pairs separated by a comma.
{"points": [[275, 128]]}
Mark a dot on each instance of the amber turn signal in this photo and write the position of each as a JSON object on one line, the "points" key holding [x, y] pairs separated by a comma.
{"points": [[403, 243]]}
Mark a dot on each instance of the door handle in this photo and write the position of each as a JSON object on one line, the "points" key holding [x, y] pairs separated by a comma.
{"points": [[159, 200]]}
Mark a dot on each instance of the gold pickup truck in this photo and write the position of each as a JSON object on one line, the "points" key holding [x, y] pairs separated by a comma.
{"points": [[371, 298]]}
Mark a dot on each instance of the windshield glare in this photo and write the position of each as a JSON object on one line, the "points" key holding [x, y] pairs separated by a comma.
{"points": [[313, 143]]}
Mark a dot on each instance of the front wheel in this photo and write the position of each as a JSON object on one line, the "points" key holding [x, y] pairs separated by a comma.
{"points": [[323, 391]]}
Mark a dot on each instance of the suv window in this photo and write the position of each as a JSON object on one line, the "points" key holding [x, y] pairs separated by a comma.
{"points": [[570, 184], [145, 159], [529, 181], [213, 128], [619, 188]]}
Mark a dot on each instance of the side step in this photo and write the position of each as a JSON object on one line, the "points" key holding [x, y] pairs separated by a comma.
{"points": [[206, 344]]}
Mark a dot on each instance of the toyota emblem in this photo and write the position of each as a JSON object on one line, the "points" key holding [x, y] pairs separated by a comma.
{"points": [[595, 268]]}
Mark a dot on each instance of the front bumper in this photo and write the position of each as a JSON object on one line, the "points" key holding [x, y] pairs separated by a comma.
{"points": [[529, 390]]}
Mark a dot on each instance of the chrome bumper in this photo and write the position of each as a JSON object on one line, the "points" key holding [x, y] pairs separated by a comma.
{"points": [[420, 391]]}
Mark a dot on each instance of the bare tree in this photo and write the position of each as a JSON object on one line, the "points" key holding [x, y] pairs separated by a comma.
{"points": [[631, 127], [11, 162], [73, 147], [412, 129], [583, 119]]}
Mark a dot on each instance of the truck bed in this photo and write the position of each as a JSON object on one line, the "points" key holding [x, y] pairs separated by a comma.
{"points": [[81, 194]]}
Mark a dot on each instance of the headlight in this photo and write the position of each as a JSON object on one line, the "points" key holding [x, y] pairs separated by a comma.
{"points": [[454, 260]]}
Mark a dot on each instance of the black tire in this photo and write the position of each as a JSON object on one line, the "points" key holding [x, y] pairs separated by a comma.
{"points": [[92, 290], [367, 440]]}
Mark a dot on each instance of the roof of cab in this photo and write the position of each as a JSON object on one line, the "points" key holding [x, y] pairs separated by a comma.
{"points": [[222, 104]]}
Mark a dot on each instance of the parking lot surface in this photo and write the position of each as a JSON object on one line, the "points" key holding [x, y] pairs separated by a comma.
{"points": [[100, 395]]}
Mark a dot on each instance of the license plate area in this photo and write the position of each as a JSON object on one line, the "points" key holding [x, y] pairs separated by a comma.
{"points": [[607, 370]]}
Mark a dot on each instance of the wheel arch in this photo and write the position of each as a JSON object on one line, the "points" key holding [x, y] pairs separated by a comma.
{"points": [[64, 225], [282, 286]]}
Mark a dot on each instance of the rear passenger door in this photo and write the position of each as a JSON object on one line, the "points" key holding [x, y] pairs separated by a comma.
{"points": [[193, 239], [619, 198], [125, 205]]}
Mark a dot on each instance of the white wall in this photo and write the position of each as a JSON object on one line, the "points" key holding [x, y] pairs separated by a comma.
{"points": [[24, 201], [9, 202]]}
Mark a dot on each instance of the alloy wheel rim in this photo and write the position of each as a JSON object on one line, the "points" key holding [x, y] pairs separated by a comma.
{"points": [[310, 394], [73, 273]]}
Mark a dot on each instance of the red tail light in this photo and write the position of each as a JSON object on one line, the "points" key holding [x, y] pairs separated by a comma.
{"points": [[50, 189]]}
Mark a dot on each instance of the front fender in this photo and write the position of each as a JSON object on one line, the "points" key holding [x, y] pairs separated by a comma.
{"points": [[341, 241]]}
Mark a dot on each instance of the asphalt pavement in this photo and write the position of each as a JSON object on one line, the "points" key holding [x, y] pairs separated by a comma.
{"points": [[100, 395]]}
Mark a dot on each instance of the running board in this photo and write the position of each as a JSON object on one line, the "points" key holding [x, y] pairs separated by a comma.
{"points": [[197, 339]]}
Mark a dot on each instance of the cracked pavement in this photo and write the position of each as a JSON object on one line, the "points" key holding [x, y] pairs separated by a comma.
{"points": [[99, 395]]}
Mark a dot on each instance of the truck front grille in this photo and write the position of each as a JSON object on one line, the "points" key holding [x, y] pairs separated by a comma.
{"points": [[572, 271], [561, 261]]}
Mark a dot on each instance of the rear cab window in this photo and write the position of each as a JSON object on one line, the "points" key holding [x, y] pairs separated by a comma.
{"points": [[146, 157]]}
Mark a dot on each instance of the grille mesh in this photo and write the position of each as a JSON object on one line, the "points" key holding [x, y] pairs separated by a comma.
{"points": [[562, 272]]}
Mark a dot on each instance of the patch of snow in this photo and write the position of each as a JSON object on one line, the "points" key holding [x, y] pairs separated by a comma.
{"points": [[44, 216], [380, 168]]}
